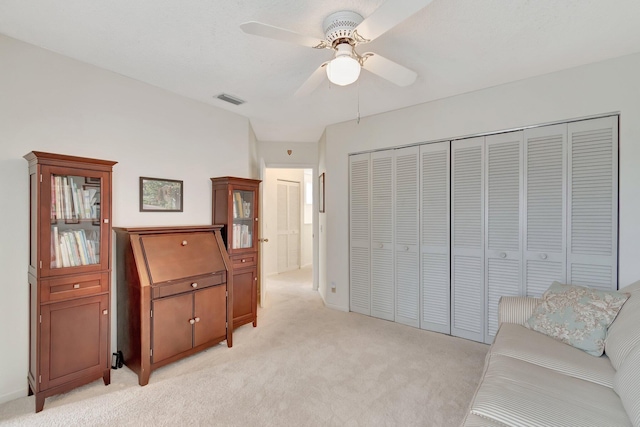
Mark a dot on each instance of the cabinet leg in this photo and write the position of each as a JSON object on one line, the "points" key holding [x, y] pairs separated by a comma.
{"points": [[255, 322], [39, 402], [143, 378], [106, 376], [30, 392]]}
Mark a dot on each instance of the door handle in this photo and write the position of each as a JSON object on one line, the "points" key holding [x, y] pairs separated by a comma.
{"points": [[263, 240]]}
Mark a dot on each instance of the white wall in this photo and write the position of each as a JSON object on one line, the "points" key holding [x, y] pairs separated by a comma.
{"points": [[322, 227], [51, 103], [609, 86]]}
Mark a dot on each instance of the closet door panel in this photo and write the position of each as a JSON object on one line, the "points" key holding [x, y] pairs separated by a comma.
{"points": [[359, 233], [406, 217], [593, 203], [468, 307], [435, 237], [502, 222], [545, 208], [382, 250]]}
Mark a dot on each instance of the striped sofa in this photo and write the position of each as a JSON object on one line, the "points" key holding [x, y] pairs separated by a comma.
{"points": [[533, 380]]}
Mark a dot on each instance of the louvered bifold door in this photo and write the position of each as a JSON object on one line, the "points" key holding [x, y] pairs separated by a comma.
{"points": [[503, 204], [359, 233], [593, 203], [544, 208], [382, 264], [434, 237], [467, 233], [407, 265], [293, 209]]}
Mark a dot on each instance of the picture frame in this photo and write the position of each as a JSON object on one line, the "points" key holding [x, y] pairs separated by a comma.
{"points": [[321, 191], [161, 195]]}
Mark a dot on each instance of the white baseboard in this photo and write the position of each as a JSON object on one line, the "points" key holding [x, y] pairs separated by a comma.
{"points": [[14, 395]]}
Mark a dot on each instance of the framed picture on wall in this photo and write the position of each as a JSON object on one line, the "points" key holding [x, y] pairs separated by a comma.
{"points": [[321, 190], [160, 195]]}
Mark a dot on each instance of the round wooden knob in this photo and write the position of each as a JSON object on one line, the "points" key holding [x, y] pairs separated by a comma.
{"points": [[244, 260], [194, 285], [192, 321], [197, 319], [184, 243]]}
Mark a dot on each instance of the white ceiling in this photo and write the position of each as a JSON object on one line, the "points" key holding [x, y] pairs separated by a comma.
{"points": [[195, 48]]}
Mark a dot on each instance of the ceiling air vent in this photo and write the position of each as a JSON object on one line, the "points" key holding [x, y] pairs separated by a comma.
{"points": [[231, 99]]}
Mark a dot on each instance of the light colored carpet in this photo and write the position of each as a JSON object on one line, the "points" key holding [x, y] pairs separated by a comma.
{"points": [[304, 365]]}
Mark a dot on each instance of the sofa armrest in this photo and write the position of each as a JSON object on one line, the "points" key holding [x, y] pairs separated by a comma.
{"points": [[516, 309]]}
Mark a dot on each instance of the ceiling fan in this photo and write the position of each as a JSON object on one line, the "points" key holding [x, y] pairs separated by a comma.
{"points": [[344, 30]]}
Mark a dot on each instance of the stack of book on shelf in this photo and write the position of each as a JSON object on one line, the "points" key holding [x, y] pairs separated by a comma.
{"points": [[70, 202], [241, 236], [72, 248], [241, 209]]}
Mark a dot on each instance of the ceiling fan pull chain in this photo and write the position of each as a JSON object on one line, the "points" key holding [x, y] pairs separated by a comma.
{"points": [[358, 89]]}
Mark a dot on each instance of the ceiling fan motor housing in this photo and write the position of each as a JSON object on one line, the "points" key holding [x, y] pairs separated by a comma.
{"points": [[338, 27]]}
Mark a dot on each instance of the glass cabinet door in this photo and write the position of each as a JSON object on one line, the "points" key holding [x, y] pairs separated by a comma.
{"points": [[75, 219], [242, 232]]}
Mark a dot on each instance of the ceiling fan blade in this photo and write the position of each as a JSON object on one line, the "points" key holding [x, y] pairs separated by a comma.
{"points": [[314, 80], [388, 69], [387, 16], [269, 31]]}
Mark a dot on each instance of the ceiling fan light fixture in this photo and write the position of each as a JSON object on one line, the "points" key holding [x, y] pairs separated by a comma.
{"points": [[344, 69]]}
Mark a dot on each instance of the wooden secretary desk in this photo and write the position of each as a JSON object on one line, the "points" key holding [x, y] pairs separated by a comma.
{"points": [[173, 298]]}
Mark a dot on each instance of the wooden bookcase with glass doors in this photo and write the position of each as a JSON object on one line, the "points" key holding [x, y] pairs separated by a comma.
{"points": [[69, 272], [235, 206]]}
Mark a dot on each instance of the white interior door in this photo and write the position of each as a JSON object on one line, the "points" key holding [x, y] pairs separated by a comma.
{"points": [[545, 183], [288, 225], [593, 203], [359, 233], [407, 225], [435, 255], [467, 234], [503, 204], [382, 265]]}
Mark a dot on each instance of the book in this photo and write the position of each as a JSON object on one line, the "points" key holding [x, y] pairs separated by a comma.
{"points": [[56, 249], [238, 201]]}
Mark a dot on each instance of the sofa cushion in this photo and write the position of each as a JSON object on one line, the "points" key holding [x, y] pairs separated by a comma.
{"points": [[530, 346], [624, 333], [517, 393], [627, 385], [577, 315]]}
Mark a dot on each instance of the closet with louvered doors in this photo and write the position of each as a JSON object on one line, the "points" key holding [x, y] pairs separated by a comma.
{"points": [[448, 228]]}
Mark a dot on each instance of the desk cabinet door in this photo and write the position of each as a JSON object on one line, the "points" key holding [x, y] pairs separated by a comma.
{"points": [[172, 328], [210, 310]]}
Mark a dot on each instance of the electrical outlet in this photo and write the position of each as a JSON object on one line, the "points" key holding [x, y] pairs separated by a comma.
{"points": [[333, 287]]}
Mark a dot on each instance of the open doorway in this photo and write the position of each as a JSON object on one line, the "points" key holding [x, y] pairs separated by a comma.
{"points": [[287, 223]]}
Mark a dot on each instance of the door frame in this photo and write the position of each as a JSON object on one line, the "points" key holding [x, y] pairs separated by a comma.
{"points": [[315, 219]]}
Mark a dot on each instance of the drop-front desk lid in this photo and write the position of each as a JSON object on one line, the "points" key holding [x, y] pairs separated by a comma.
{"points": [[175, 256]]}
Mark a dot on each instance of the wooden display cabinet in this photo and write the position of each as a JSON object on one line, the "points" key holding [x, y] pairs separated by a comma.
{"points": [[235, 205], [173, 298], [69, 273]]}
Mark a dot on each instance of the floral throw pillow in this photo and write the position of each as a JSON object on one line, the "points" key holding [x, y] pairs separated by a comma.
{"points": [[577, 315]]}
